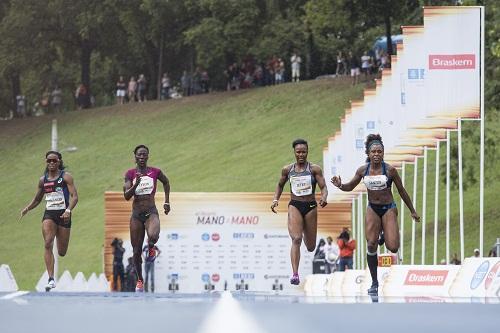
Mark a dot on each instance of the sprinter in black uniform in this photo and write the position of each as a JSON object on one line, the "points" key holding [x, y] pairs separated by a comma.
{"points": [[61, 197], [302, 208], [381, 213]]}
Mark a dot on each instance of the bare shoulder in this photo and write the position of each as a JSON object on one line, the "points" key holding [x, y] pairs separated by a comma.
{"points": [[316, 168], [391, 170], [68, 177], [362, 169]]}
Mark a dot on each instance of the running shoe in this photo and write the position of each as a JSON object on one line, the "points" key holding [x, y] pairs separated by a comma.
{"points": [[295, 279], [139, 287], [50, 285], [373, 290], [381, 238]]}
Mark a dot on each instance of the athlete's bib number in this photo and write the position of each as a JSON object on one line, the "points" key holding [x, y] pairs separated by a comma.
{"points": [[376, 183], [301, 185], [146, 186], [55, 201]]}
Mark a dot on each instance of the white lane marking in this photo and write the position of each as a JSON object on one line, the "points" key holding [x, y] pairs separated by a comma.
{"points": [[229, 317], [15, 294]]}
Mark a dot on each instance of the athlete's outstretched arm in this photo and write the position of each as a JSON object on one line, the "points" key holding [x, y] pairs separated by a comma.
{"points": [[320, 179], [402, 193], [349, 186], [166, 187], [36, 199], [279, 187], [73, 196]]}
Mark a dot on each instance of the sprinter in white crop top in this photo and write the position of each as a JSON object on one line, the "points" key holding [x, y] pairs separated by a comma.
{"points": [[381, 213]]}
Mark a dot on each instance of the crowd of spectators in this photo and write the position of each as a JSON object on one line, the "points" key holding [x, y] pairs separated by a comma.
{"points": [[245, 74], [369, 64]]}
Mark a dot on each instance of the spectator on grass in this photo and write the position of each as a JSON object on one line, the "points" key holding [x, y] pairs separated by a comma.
{"points": [[121, 88], [165, 87], [295, 60], [81, 96], [186, 84], [141, 88], [132, 89], [56, 100], [354, 65], [365, 65]]}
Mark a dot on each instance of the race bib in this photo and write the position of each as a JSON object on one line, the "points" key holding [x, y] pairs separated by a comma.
{"points": [[376, 182], [301, 185], [146, 186], [55, 200]]}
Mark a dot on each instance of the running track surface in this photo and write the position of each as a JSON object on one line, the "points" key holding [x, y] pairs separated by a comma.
{"points": [[236, 312]]}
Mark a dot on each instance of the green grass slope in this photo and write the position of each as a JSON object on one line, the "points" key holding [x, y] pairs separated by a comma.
{"points": [[235, 141]]}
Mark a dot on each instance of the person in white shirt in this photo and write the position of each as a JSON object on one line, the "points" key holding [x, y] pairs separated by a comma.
{"points": [[331, 254], [295, 60], [365, 64]]}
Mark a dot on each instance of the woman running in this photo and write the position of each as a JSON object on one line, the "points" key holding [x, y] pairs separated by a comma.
{"points": [[381, 213], [302, 208], [61, 198], [140, 183]]}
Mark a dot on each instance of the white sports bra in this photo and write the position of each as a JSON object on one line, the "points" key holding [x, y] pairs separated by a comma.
{"points": [[377, 182]]}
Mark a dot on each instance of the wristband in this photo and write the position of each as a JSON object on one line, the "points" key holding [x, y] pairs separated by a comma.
{"points": [[166, 204], [275, 200], [68, 210]]}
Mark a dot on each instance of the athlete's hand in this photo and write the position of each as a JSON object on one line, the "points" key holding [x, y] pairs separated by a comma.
{"points": [[24, 211], [415, 217], [66, 216], [137, 179], [322, 202], [336, 181], [166, 208], [274, 205]]}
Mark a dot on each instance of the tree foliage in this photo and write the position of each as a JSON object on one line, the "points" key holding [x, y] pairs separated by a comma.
{"points": [[65, 42]]}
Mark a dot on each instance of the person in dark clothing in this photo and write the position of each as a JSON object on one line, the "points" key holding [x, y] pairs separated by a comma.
{"points": [[118, 269]]}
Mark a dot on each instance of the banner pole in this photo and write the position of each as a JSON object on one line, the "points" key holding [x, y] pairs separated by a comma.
{"points": [[460, 190], [353, 230], [402, 216], [54, 146], [415, 175], [448, 148], [481, 157], [436, 205], [424, 206]]}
